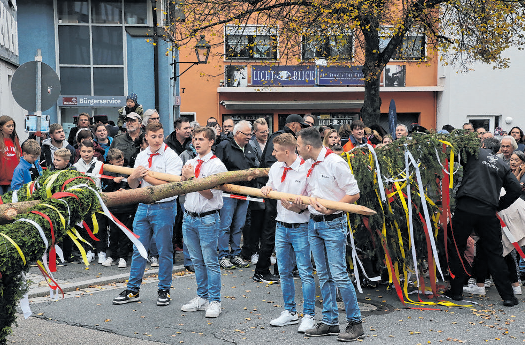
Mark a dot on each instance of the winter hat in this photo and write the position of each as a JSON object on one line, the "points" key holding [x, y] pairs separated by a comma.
{"points": [[132, 96]]}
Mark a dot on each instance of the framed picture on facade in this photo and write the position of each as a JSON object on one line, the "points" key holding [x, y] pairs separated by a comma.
{"points": [[395, 75], [236, 76]]}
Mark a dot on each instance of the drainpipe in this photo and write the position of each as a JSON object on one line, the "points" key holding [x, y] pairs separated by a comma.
{"points": [[155, 55]]}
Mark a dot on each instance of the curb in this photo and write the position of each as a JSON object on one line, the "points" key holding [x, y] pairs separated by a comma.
{"points": [[118, 278]]}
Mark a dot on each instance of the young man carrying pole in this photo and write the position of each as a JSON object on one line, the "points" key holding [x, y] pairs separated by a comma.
{"points": [[329, 177], [200, 226], [288, 175]]}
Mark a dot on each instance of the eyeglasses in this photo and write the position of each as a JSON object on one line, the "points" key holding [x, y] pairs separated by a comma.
{"points": [[263, 132], [248, 135], [154, 118]]}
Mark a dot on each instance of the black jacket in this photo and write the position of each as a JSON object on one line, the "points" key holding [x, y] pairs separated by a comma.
{"points": [[175, 145], [483, 178], [235, 159], [45, 155], [129, 147]]}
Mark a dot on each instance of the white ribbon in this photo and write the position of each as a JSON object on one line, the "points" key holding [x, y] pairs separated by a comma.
{"points": [[410, 225], [378, 173], [425, 211], [14, 198], [24, 302]]}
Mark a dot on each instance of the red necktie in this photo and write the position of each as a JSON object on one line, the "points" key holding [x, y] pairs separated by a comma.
{"points": [[328, 151], [285, 171], [150, 159], [198, 167]]}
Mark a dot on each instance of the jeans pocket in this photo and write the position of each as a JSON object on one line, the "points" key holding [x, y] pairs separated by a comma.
{"points": [[209, 220]]}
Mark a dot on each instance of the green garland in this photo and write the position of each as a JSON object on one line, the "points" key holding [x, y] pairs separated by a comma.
{"points": [[425, 148], [27, 237]]}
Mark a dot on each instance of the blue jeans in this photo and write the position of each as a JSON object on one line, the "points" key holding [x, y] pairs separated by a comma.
{"points": [[328, 244], [154, 220], [287, 242], [185, 252], [201, 235], [233, 214]]}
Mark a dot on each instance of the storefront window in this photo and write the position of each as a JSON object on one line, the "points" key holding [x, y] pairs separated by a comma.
{"points": [[108, 81], [75, 80]]}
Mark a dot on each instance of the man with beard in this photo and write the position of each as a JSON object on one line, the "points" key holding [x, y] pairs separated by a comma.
{"points": [[83, 121], [56, 141], [129, 142]]}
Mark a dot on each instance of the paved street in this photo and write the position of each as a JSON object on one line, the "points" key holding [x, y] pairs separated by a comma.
{"points": [[87, 316]]}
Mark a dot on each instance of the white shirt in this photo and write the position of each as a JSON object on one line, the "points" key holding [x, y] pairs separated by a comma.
{"points": [[85, 167], [294, 183], [331, 179], [167, 161], [195, 202]]}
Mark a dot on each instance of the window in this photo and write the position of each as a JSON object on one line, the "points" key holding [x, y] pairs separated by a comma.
{"points": [[91, 44], [412, 48], [251, 42], [337, 47]]}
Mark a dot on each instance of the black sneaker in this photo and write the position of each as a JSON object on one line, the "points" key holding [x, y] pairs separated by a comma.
{"points": [[450, 295], [164, 297], [511, 302], [126, 296], [266, 278], [322, 329]]}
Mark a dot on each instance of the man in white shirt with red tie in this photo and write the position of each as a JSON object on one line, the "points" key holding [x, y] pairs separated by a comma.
{"points": [[288, 175], [153, 220], [330, 178], [201, 225]]}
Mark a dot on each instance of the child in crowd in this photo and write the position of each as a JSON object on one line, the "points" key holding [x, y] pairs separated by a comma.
{"points": [[27, 170], [61, 160], [119, 243], [10, 152], [91, 165], [86, 134]]}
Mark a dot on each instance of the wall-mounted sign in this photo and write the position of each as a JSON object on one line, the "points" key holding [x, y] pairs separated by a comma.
{"points": [[395, 75], [340, 76], [8, 32], [283, 75], [92, 101], [236, 76]]}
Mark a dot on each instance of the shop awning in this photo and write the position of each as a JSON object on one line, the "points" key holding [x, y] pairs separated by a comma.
{"points": [[308, 105]]}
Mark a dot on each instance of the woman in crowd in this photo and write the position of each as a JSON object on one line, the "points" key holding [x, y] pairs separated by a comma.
{"points": [[10, 152], [102, 138], [331, 138], [517, 134]]}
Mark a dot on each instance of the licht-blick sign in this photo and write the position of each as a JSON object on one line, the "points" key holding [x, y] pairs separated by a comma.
{"points": [[282, 75]]}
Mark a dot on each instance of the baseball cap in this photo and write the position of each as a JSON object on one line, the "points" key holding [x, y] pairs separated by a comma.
{"points": [[296, 118], [135, 116]]}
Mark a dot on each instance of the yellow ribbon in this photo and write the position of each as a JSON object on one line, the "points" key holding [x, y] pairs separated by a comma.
{"points": [[79, 246], [451, 163], [95, 223], [16, 246], [62, 219], [49, 183]]}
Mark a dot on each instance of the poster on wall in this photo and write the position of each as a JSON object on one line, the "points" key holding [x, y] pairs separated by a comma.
{"points": [[236, 76], [395, 75]]}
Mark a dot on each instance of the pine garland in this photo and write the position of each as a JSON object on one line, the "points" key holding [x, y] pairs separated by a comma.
{"points": [[426, 149], [26, 236]]}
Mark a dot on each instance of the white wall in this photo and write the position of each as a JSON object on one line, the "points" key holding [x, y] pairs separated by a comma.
{"points": [[483, 91], [8, 105]]}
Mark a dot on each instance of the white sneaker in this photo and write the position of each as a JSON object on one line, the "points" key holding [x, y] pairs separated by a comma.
{"points": [[517, 290], [122, 263], [154, 262], [488, 283], [471, 281], [308, 322], [255, 258], [108, 261], [90, 256], [198, 303], [273, 259], [475, 290], [286, 318], [213, 309], [101, 257]]}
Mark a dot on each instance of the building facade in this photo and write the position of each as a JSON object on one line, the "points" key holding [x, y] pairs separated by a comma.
{"points": [[102, 51], [9, 62], [246, 79]]}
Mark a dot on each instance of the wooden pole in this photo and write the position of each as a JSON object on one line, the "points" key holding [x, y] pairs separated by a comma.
{"points": [[231, 188], [332, 205]]}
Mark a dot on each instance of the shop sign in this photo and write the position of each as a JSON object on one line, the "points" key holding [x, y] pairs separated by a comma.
{"points": [[337, 120], [8, 32], [283, 75], [340, 76], [92, 101]]}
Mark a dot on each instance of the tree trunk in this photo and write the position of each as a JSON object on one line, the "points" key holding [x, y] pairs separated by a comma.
{"points": [[148, 195]]}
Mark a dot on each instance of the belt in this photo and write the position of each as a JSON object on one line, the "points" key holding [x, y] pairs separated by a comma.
{"points": [[200, 215], [325, 218], [291, 225]]}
